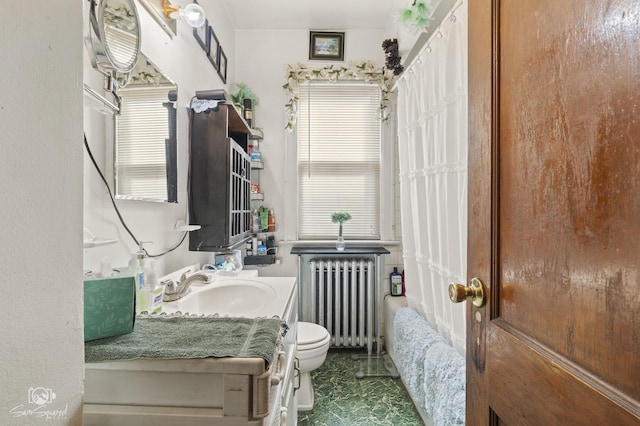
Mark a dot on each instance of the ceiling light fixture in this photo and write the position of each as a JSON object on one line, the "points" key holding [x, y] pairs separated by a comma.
{"points": [[192, 14]]}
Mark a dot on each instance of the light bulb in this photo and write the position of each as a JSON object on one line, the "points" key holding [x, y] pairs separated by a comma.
{"points": [[193, 15]]}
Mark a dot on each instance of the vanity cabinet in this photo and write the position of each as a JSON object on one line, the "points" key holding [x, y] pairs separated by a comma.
{"points": [[202, 391], [219, 178]]}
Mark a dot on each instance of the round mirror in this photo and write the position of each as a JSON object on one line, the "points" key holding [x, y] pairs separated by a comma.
{"points": [[114, 36]]}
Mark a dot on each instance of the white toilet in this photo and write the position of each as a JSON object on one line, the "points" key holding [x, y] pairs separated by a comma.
{"points": [[313, 344]]}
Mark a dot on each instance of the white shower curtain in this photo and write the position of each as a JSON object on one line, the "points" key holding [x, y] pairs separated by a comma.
{"points": [[432, 148]]}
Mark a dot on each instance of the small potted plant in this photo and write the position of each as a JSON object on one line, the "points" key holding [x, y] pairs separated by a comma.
{"points": [[340, 217], [244, 97]]}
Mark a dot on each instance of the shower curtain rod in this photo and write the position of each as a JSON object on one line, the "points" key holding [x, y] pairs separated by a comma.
{"points": [[425, 39]]}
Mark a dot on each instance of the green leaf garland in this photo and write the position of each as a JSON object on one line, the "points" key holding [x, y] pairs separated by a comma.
{"points": [[365, 70]]}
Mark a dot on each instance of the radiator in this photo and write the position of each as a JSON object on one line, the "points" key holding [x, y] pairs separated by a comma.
{"points": [[343, 299]]}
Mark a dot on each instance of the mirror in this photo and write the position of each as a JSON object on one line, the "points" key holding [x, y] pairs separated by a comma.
{"points": [[145, 160], [113, 38]]}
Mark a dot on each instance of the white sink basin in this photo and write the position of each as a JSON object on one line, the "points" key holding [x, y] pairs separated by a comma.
{"points": [[138, 389], [240, 297]]}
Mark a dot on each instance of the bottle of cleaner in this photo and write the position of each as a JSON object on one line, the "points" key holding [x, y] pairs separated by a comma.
{"points": [[395, 278], [155, 292]]}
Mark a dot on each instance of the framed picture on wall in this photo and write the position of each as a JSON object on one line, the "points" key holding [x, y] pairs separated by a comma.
{"points": [[201, 35], [213, 46], [324, 45], [222, 62]]}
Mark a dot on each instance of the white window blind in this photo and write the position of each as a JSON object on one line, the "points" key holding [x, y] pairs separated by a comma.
{"points": [[141, 133], [339, 159]]}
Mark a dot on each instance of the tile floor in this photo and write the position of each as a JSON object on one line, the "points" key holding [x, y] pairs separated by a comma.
{"points": [[342, 399]]}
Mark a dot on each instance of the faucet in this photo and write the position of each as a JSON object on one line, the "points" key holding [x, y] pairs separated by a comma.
{"points": [[174, 291]]}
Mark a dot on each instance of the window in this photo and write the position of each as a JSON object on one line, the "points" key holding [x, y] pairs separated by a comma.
{"points": [[339, 159], [142, 155]]}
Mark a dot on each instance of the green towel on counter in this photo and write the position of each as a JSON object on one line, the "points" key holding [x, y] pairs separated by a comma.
{"points": [[173, 337]]}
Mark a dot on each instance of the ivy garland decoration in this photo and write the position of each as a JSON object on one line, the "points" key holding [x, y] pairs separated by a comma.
{"points": [[144, 73], [120, 17], [365, 70]]}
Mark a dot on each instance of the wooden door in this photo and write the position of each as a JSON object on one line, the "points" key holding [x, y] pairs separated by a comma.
{"points": [[554, 210]]}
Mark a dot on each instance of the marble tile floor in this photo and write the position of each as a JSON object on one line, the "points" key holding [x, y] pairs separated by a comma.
{"points": [[342, 399]]}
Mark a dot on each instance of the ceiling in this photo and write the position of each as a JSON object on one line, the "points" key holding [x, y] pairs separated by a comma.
{"points": [[313, 14]]}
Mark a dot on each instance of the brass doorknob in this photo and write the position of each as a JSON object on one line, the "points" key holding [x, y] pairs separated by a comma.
{"points": [[459, 293]]}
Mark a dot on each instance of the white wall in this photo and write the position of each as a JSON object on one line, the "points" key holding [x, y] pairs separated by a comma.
{"points": [[183, 60], [41, 198]]}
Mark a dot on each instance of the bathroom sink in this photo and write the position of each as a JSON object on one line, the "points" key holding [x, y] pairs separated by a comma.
{"points": [[231, 296], [197, 390]]}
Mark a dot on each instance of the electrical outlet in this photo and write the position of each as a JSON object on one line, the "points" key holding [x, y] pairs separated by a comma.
{"points": [[278, 260]]}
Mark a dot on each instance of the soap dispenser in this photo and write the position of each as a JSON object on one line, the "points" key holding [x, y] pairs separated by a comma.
{"points": [[146, 291], [139, 269], [136, 271]]}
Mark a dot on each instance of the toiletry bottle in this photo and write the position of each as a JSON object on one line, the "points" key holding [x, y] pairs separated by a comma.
{"points": [[272, 221], [247, 107], [144, 301], [138, 277], [256, 222], [155, 292], [264, 218], [271, 244], [395, 278], [147, 270], [142, 268]]}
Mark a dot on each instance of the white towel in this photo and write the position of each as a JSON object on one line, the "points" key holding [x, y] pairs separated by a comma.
{"points": [[444, 385], [433, 372], [413, 336]]}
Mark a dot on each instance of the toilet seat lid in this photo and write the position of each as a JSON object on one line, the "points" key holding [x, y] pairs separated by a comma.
{"points": [[309, 333]]}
